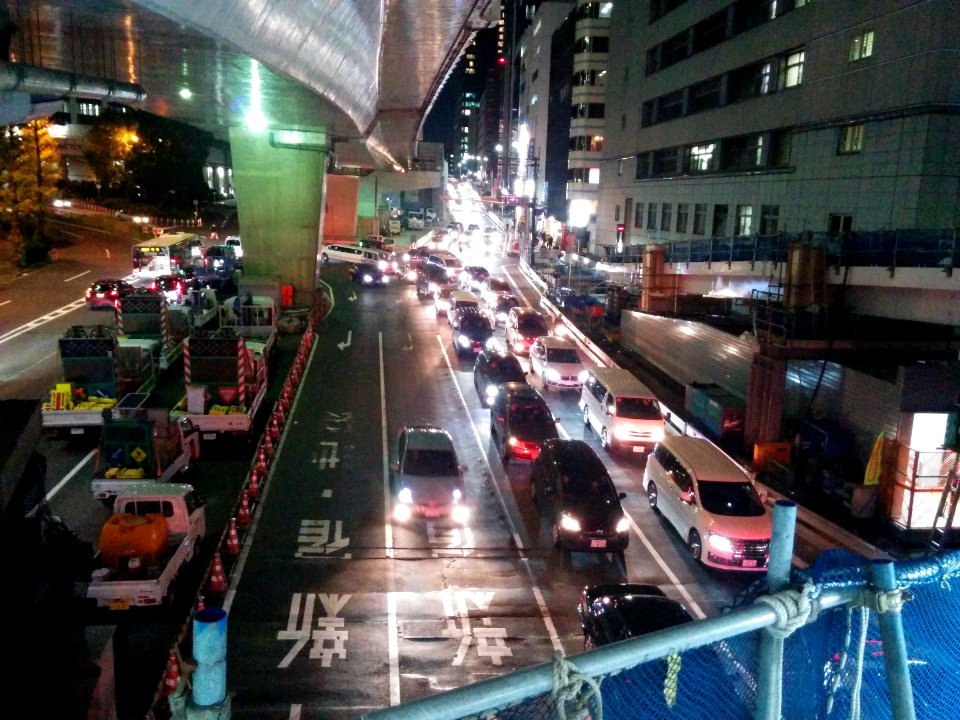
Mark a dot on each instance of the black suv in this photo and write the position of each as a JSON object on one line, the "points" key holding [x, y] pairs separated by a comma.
{"points": [[429, 278], [493, 368], [471, 331], [572, 487], [618, 611], [520, 420]]}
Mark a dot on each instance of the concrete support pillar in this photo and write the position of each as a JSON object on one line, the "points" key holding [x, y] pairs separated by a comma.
{"points": [[764, 400], [280, 194]]}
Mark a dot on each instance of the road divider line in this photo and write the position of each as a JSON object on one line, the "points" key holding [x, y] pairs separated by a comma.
{"points": [[5, 302], [524, 561], [393, 648], [74, 277], [43, 320], [68, 477], [384, 440]]}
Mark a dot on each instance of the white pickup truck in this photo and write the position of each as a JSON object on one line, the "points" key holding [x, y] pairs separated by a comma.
{"points": [[155, 530]]}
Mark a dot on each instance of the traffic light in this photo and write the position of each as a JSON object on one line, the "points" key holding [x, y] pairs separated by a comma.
{"points": [[621, 228]]}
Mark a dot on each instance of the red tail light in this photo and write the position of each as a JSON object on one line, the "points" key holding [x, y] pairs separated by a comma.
{"points": [[113, 293], [153, 285]]}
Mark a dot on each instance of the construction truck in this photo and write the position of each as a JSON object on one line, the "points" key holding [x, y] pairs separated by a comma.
{"points": [[97, 370], [155, 531], [145, 316], [139, 444], [226, 381]]}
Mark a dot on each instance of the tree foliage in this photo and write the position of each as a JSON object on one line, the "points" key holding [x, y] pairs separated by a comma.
{"points": [[29, 172], [148, 159]]}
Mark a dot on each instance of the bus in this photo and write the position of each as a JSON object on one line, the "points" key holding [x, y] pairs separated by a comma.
{"points": [[166, 254]]}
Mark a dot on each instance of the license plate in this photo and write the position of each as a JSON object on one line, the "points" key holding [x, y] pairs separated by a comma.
{"points": [[119, 604], [431, 512], [638, 448], [598, 543], [76, 431], [749, 562], [209, 436]]}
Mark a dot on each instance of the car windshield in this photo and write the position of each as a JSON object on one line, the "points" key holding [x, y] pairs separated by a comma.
{"points": [[474, 322], [638, 408], [730, 498], [583, 476], [531, 326], [430, 462], [563, 355], [530, 416], [505, 371]]}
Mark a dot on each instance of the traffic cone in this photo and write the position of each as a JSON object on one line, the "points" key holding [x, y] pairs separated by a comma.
{"points": [[233, 539], [253, 489], [274, 429], [218, 578], [267, 445], [243, 514], [172, 678], [262, 462]]}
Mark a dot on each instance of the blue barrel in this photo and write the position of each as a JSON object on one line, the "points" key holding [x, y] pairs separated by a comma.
{"points": [[210, 635], [209, 682]]}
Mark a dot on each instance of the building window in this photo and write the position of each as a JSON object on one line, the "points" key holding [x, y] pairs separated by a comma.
{"points": [[720, 213], [706, 95], [627, 210], [683, 214], [665, 162], [769, 219], [651, 216], [850, 140], [744, 219], [861, 46], [670, 106], [616, 214], [591, 44], [638, 215], [643, 166], [791, 70], [587, 110], [710, 31], [742, 153], [838, 225], [666, 217], [702, 158], [699, 219], [781, 142]]}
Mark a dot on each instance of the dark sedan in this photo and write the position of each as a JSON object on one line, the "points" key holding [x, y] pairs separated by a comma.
{"points": [[573, 489], [493, 368], [368, 274], [614, 612], [105, 293], [472, 332]]}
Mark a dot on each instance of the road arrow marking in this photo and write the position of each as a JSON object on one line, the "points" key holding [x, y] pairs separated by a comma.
{"points": [[346, 343], [353, 297]]}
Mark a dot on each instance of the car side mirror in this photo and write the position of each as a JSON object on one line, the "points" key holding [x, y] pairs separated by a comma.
{"points": [[622, 496]]}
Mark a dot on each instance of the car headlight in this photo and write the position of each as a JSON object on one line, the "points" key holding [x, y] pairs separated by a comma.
{"points": [[656, 435], [502, 316], [491, 390], [463, 341], [720, 543], [460, 514], [582, 376], [551, 374], [518, 346], [569, 523], [382, 264], [411, 275], [401, 512], [367, 278], [432, 287], [457, 494], [406, 257], [621, 432], [511, 441], [623, 525], [405, 496]]}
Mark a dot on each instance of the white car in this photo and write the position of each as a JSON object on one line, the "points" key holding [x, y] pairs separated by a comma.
{"points": [[557, 363], [711, 502], [415, 221], [427, 479]]}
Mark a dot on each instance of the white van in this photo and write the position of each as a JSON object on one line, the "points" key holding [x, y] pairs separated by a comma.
{"points": [[711, 502], [459, 299], [336, 252], [624, 412]]}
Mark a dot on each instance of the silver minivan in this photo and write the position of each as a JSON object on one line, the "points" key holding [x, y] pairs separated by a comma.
{"points": [[621, 409]]}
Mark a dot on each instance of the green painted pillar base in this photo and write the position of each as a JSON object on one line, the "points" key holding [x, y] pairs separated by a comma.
{"points": [[280, 195]]}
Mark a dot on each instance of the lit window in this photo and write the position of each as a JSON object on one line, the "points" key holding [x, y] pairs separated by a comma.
{"points": [[766, 76], [792, 70], [744, 219], [850, 140], [701, 157], [593, 177], [862, 46], [606, 9]]}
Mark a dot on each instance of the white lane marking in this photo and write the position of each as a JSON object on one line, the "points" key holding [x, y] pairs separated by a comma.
{"points": [[387, 525], [5, 302], [691, 603], [43, 320], [544, 611], [49, 317], [393, 649], [74, 277], [295, 710], [67, 478]]}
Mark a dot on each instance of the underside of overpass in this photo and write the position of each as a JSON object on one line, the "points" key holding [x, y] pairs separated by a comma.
{"points": [[301, 90]]}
